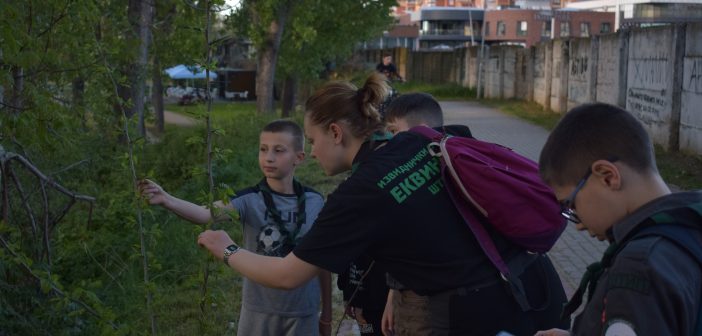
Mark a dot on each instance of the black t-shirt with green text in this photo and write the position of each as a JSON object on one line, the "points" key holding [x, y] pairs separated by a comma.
{"points": [[395, 209]]}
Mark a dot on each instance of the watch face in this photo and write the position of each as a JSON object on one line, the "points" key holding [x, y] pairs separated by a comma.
{"points": [[230, 249]]}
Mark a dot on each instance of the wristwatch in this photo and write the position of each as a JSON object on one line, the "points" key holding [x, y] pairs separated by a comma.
{"points": [[228, 251]]}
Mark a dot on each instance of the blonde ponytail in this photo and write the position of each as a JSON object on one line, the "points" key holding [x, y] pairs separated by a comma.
{"points": [[342, 100]]}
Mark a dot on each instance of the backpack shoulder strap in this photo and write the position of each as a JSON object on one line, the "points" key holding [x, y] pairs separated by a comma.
{"points": [[427, 132], [676, 225], [679, 234]]}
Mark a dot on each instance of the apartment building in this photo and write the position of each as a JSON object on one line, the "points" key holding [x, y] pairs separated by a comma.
{"points": [[643, 13], [448, 24], [528, 26]]}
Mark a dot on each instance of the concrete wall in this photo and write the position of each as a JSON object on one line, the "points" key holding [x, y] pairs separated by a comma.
{"points": [[493, 73], [610, 66], [655, 73], [542, 73], [650, 79], [472, 61], [691, 97], [509, 71], [524, 76], [501, 72], [559, 76], [582, 68]]}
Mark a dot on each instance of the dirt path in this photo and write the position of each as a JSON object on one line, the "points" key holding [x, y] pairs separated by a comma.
{"points": [[178, 119], [171, 118]]}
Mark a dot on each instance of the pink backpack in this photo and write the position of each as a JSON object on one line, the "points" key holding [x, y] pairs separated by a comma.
{"points": [[491, 182]]}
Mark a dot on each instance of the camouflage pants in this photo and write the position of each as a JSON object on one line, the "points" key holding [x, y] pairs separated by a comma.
{"points": [[411, 314]]}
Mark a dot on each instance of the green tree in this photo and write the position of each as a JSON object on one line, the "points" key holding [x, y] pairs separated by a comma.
{"points": [[313, 32], [323, 31], [264, 22], [177, 39], [60, 64]]}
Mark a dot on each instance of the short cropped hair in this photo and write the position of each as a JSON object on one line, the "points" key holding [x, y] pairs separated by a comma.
{"points": [[592, 132], [290, 127], [416, 109]]}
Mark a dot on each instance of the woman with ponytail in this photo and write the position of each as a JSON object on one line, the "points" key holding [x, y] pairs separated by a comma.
{"points": [[393, 209]]}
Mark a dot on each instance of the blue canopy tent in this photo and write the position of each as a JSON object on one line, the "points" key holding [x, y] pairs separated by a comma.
{"points": [[188, 72]]}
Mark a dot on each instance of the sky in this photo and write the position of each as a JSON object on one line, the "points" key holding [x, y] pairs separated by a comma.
{"points": [[233, 3]]}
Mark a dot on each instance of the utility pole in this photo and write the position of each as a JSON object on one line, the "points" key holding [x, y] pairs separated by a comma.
{"points": [[482, 52]]}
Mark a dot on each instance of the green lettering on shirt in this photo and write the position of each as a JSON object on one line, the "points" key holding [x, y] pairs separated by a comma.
{"points": [[397, 194], [415, 177]]}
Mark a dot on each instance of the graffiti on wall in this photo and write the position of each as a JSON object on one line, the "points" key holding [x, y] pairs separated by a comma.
{"points": [[650, 106], [578, 67], [539, 63], [649, 72], [692, 74]]}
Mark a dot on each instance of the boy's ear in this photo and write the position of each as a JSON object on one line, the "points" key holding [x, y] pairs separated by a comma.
{"points": [[300, 157], [337, 133], [607, 173]]}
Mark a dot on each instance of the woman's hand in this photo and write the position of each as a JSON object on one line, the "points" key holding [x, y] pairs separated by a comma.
{"points": [[215, 242]]}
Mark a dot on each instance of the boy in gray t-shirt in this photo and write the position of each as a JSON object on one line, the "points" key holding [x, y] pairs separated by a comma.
{"points": [[275, 214]]}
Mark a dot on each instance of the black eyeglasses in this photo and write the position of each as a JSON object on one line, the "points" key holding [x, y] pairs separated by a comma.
{"points": [[568, 205]]}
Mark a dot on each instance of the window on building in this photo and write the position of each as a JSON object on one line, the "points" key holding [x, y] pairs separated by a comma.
{"points": [[556, 2], [501, 28], [605, 28], [546, 29], [521, 28], [565, 29], [585, 29], [487, 28]]}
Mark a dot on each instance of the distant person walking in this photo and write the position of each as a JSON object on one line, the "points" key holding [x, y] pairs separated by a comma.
{"points": [[388, 69]]}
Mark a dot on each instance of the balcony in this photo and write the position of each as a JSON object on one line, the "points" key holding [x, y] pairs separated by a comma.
{"points": [[442, 32]]}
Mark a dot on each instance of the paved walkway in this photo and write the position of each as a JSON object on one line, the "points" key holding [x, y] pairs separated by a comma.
{"points": [[574, 250]]}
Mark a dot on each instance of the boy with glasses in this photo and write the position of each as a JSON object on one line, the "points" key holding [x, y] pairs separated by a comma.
{"points": [[600, 162]]}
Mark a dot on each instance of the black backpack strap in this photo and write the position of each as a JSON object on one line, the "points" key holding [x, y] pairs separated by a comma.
{"points": [[267, 194], [664, 224], [680, 235]]}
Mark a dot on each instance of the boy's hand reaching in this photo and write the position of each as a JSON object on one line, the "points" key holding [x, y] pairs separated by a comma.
{"points": [[153, 192]]}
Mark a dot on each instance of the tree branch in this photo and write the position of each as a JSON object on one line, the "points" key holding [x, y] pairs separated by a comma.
{"points": [[8, 156], [24, 200]]}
